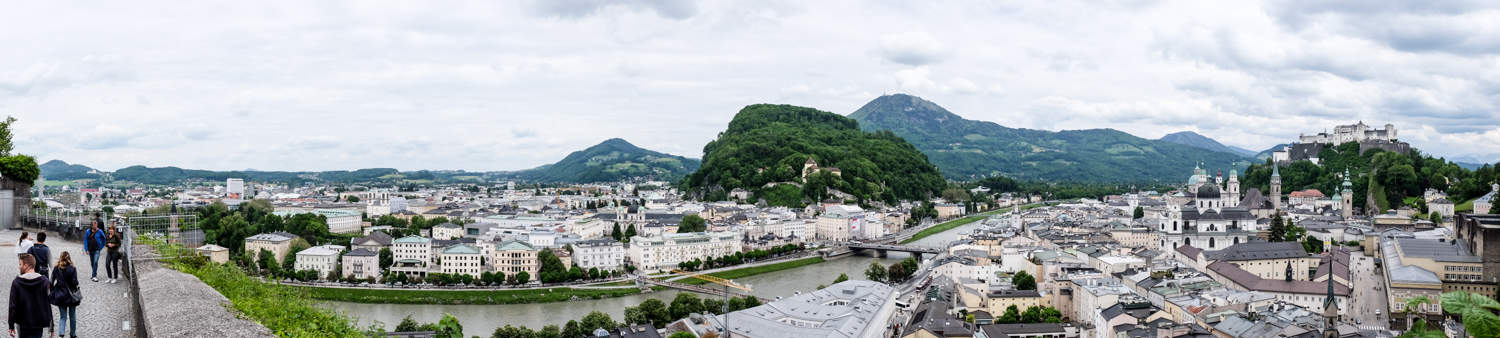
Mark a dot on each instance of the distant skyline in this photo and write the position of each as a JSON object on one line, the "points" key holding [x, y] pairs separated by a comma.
{"points": [[483, 86]]}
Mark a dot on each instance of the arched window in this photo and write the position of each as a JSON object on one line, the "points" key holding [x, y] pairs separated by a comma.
{"points": [[1236, 240], [1210, 242], [1187, 241], [1174, 225]]}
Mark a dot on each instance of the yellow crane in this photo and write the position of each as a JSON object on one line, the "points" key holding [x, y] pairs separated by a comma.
{"points": [[727, 284]]}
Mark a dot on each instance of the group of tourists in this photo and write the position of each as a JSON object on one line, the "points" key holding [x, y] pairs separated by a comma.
{"points": [[43, 284]]}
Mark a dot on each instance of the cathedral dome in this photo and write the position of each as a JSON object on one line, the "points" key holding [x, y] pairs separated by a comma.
{"points": [[1208, 191]]}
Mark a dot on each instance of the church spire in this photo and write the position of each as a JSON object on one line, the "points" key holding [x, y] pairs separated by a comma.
{"points": [[1275, 170]]}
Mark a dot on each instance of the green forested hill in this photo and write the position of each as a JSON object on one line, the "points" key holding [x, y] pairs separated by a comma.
{"points": [[967, 149], [767, 143], [58, 170], [1390, 178], [612, 160], [1200, 141]]}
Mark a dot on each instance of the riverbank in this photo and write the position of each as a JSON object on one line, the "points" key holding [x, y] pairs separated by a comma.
{"points": [[520, 296], [754, 270], [949, 225]]}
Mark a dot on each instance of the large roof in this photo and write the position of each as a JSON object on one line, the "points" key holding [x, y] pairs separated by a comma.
{"points": [[845, 309], [1251, 282], [1208, 191], [1258, 250]]}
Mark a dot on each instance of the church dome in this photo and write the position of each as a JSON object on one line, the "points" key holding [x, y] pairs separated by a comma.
{"points": [[1208, 191]]}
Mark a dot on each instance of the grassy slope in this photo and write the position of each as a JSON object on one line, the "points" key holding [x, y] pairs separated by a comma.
{"points": [[755, 270], [949, 225]]}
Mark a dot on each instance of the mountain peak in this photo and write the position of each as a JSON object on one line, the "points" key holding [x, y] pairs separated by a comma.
{"points": [[1198, 140], [905, 108]]}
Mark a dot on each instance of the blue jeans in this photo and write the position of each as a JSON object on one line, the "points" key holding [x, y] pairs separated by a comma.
{"points": [[69, 316], [94, 263]]}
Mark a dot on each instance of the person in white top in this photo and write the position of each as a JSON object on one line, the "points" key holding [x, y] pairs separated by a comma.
{"points": [[25, 244]]}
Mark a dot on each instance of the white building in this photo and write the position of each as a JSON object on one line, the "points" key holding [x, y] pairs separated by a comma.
{"points": [[362, 264], [447, 231], [1351, 133], [664, 251], [412, 254], [604, 254], [321, 258], [461, 259], [841, 223], [235, 186]]}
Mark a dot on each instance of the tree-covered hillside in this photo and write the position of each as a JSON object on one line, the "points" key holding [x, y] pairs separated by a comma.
{"points": [[767, 143], [1200, 141], [62, 171], [612, 160], [968, 150], [1393, 177]]}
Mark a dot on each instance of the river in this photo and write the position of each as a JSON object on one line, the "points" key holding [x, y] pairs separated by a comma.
{"points": [[482, 320]]}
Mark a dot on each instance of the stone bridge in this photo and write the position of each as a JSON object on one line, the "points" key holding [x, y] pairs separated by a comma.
{"points": [[882, 249]]}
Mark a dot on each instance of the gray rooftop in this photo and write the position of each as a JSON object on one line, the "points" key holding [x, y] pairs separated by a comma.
{"points": [[845, 309]]}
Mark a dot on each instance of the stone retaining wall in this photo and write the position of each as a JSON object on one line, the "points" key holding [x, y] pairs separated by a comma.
{"points": [[176, 304]]}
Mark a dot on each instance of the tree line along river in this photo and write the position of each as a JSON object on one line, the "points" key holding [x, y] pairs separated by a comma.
{"points": [[481, 320]]}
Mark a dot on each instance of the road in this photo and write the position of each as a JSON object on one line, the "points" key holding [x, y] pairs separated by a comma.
{"points": [[1369, 293]]}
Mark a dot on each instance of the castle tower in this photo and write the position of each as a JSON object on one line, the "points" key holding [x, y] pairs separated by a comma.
{"points": [[1390, 131], [1275, 187], [1347, 200]]}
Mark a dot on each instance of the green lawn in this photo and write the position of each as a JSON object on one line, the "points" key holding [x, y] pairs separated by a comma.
{"points": [[755, 270], [1466, 206], [483, 297], [949, 225]]}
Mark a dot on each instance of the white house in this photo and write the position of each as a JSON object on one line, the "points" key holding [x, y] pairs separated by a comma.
{"points": [[321, 258]]}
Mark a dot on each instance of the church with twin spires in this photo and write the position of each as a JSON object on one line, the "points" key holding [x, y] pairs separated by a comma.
{"points": [[1212, 219]]}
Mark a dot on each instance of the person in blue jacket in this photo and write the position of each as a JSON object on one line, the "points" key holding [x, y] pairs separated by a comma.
{"points": [[93, 243]]}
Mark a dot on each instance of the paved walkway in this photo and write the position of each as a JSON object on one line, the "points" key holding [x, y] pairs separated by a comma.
{"points": [[106, 307]]}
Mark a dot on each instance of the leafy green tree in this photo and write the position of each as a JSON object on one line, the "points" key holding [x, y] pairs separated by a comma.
{"points": [[876, 272], [552, 269], [5, 135], [1476, 311], [1277, 231], [408, 325], [1023, 281], [508, 331], [685, 304], [598, 320], [1139, 213], [1312, 244], [387, 258], [573, 329], [692, 223], [448, 327], [842, 278], [1012, 315], [549, 331], [630, 232], [682, 334], [615, 233]]}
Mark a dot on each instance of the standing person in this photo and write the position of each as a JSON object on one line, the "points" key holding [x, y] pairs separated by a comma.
{"points": [[24, 244], [29, 312], [64, 286], [93, 242], [112, 260], [41, 253]]}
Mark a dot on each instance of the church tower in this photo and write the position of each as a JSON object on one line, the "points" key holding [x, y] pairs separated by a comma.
{"points": [[1347, 200], [1232, 191], [1330, 313], [1275, 187]]}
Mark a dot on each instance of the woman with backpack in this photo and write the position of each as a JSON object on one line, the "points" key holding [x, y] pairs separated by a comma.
{"points": [[65, 295]]}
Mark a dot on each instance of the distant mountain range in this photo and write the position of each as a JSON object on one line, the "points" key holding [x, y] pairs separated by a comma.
{"points": [[967, 149], [614, 159], [1200, 141]]}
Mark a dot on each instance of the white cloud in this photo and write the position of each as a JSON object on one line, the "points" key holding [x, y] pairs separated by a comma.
{"points": [[911, 48], [504, 85]]}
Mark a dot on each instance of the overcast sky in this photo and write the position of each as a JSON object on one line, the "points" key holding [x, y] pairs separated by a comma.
{"points": [[313, 85]]}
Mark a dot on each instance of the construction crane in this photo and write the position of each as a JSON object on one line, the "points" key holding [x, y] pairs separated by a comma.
{"points": [[727, 284]]}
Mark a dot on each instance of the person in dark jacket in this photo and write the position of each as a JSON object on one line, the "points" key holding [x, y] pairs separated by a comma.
{"points": [[93, 244], [65, 277], [112, 259], [29, 310], [41, 253]]}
